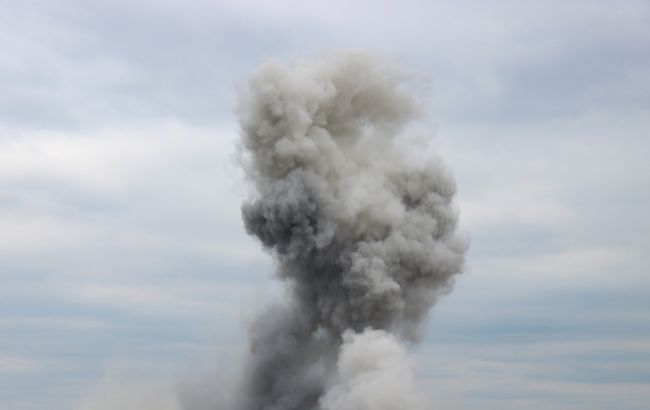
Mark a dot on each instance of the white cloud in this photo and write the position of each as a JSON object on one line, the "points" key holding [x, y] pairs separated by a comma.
{"points": [[44, 322], [18, 364]]}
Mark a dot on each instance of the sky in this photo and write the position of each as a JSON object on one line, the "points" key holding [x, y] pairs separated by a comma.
{"points": [[125, 270]]}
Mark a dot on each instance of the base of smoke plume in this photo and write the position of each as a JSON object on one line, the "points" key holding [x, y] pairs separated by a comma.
{"points": [[374, 372]]}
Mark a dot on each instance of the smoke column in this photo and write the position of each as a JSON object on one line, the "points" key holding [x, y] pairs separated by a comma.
{"points": [[363, 231]]}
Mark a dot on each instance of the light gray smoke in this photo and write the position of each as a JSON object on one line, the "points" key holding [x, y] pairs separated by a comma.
{"points": [[363, 230]]}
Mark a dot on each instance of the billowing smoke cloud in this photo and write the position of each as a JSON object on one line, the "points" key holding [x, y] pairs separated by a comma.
{"points": [[363, 230]]}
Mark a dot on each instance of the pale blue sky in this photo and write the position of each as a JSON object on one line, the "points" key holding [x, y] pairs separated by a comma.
{"points": [[124, 268]]}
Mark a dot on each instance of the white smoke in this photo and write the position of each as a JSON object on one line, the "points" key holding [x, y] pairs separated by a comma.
{"points": [[374, 372]]}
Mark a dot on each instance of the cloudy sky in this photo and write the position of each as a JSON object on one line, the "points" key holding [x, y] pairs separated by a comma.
{"points": [[124, 268]]}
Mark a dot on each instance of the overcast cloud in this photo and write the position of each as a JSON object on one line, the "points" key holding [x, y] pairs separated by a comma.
{"points": [[123, 257]]}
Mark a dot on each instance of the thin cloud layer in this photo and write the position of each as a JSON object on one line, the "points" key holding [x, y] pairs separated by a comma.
{"points": [[119, 203]]}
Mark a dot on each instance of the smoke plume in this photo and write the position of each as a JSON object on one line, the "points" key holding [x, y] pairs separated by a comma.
{"points": [[363, 231]]}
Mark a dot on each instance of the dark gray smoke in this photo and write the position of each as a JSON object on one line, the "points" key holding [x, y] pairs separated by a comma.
{"points": [[363, 230]]}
